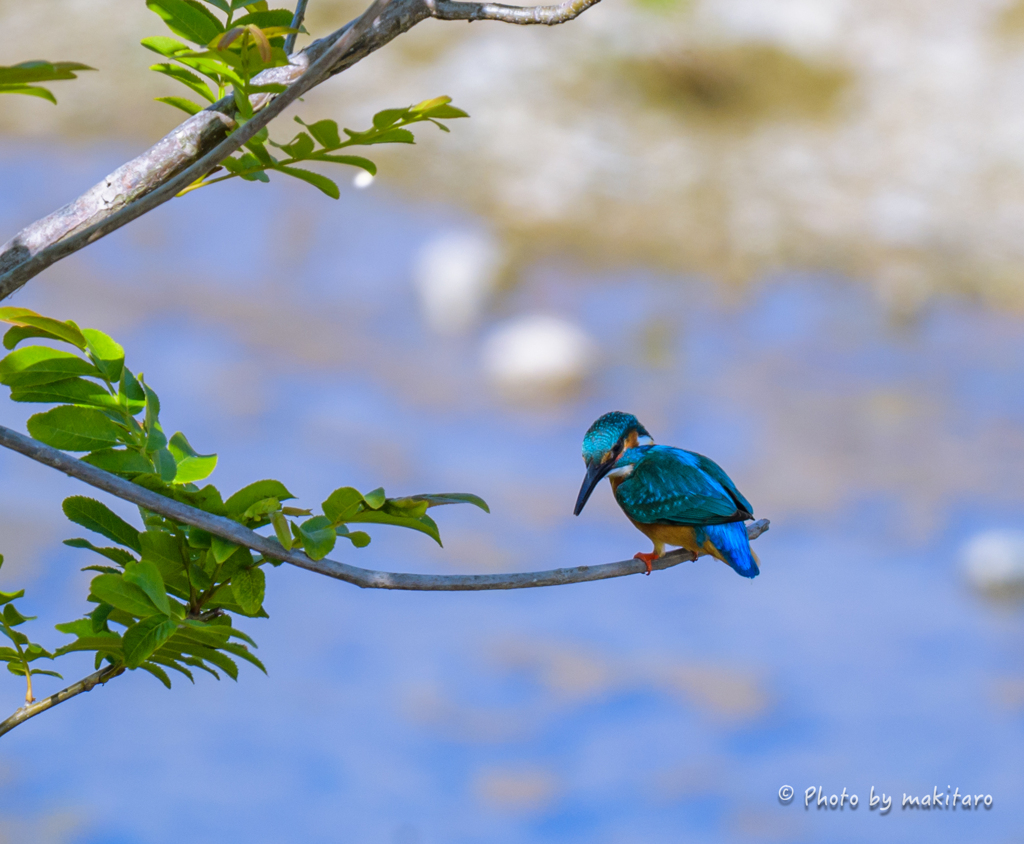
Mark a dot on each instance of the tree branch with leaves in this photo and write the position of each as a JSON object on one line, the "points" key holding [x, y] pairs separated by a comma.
{"points": [[169, 592]]}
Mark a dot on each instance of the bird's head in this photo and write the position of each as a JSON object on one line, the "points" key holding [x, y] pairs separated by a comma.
{"points": [[606, 441]]}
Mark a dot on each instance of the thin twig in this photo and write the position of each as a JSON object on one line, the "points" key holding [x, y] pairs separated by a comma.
{"points": [[84, 685], [367, 578], [297, 18], [103, 208]]}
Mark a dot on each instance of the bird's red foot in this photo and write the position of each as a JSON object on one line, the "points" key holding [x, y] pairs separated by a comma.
{"points": [[646, 559]]}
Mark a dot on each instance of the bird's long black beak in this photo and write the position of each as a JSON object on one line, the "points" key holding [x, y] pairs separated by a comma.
{"points": [[595, 471]]}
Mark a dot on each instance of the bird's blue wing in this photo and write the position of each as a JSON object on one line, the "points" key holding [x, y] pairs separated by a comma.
{"points": [[672, 486]]}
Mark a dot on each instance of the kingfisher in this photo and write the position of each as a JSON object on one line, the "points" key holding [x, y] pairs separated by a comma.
{"points": [[673, 496]]}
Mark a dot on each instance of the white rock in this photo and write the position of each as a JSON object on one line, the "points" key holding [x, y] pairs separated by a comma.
{"points": [[538, 353], [454, 275], [994, 561]]}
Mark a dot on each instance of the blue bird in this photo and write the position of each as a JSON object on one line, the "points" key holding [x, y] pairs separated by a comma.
{"points": [[675, 497]]}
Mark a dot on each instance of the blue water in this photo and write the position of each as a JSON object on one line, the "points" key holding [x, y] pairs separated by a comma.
{"points": [[281, 331]]}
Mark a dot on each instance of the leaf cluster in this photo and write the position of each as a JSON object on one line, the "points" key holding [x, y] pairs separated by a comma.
{"points": [[165, 594], [19, 658], [233, 50], [244, 40], [18, 79]]}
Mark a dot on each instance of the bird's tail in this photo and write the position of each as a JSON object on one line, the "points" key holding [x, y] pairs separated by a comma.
{"points": [[733, 547]]}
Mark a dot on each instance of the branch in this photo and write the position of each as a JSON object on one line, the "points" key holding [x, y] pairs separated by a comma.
{"points": [[451, 10], [184, 154], [86, 685], [300, 14], [366, 578]]}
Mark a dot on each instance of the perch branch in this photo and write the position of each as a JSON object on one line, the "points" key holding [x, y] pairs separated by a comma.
{"points": [[185, 153], [85, 685], [366, 578]]}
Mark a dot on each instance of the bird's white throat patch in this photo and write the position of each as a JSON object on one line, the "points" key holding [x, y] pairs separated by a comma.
{"points": [[621, 472]]}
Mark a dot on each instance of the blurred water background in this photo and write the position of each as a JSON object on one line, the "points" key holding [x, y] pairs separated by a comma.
{"points": [[785, 234]]}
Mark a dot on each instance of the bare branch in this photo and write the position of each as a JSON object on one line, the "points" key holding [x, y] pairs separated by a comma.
{"points": [[297, 18], [180, 156], [452, 10], [85, 685], [366, 578]]}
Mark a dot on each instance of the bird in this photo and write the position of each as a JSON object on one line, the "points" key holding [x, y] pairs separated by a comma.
{"points": [[675, 497]]}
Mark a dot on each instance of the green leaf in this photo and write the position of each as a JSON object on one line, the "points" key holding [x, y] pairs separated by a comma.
{"points": [[11, 596], [14, 635], [221, 549], [249, 587], [118, 555], [189, 19], [388, 117], [325, 132], [185, 77], [157, 672], [146, 575], [318, 537], [155, 439], [353, 160], [49, 673], [161, 548], [39, 71], [143, 638], [165, 465], [191, 466], [315, 179], [375, 498], [69, 391], [358, 538], [261, 510], [99, 518], [119, 461], [275, 17], [284, 535], [164, 46], [243, 653], [424, 524], [67, 332], [391, 136], [240, 559], [159, 659], [105, 353], [114, 590], [131, 390], [13, 617], [98, 619], [186, 106], [73, 428], [34, 365], [29, 90], [438, 498], [341, 503], [242, 500], [299, 147]]}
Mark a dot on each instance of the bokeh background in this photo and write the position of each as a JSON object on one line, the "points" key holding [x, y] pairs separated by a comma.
{"points": [[788, 234]]}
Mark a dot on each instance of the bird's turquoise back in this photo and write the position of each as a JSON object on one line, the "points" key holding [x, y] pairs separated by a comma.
{"points": [[672, 486]]}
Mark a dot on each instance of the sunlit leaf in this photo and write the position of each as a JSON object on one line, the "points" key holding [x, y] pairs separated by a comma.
{"points": [[146, 575], [186, 106], [186, 77], [318, 537], [35, 365], [191, 466], [68, 391], [325, 132], [438, 498], [424, 524], [114, 590], [67, 332], [188, 18]]}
